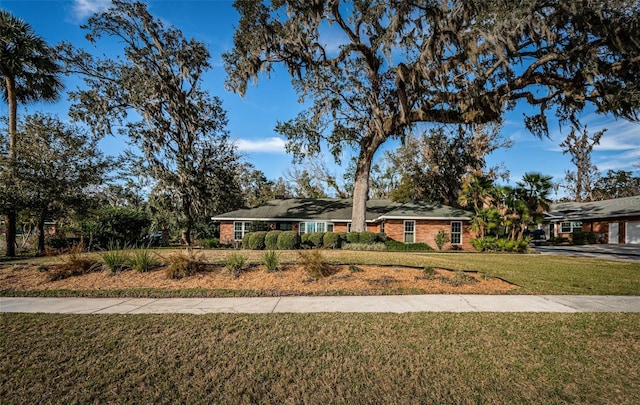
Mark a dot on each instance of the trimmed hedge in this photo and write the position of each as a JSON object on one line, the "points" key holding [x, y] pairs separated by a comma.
{"points": [[583, 238], [245, 240], [353, 237], [491, 244], [315, 239], [333, 240], [271, 240], [288, 240], [256, 240], [304, 241], [395, 246], [367, 237]]}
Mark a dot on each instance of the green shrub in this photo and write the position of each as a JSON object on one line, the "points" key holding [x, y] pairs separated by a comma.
{"points": [[115, 259], [256, 241], [211, 243], [235, 263], [57, 242], [143, 260], [381, 237], [271, 260], [492, 244], [353, 237], [74, 264], [355, 269], [395, 246], [245, 240], [441, 238], [271, 240], [304, 241], [288, 240], [331, 240], [367, 237], [315, 264], [185, 264], [583, 238], [315, 239], [558, 241], [374, 247]]}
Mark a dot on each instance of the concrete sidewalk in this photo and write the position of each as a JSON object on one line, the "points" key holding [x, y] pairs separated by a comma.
{"points": [[389, 303]]}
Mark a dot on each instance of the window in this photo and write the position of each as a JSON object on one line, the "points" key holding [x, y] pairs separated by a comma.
{"points": [[349, 227], [382, 227], [568, 227], [409, 231], [456, 233], [239, 229], [310, 227], [285, 226]]}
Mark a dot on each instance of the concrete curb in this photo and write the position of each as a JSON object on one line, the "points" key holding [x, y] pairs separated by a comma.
{"points": [[360, 304]]}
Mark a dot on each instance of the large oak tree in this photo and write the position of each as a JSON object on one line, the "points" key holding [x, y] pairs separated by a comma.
{"points": [[371, 70], [153, 94]]}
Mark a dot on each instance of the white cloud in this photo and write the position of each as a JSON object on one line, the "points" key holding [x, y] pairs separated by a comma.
{"points": [[266, 145], [84, 8]]}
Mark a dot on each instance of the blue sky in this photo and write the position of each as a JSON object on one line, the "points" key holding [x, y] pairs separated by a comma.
{"points": [[252, 118]]}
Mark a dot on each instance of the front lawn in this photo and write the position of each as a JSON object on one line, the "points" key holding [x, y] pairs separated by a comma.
{"points": [[527, 273], [321, 358]]}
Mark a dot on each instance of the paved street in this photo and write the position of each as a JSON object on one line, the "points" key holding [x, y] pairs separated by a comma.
{"points": [[609, 252], [393, 303]]}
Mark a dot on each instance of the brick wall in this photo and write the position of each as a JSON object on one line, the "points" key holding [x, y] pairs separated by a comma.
{"points": [[226, 232], [426, 231]]}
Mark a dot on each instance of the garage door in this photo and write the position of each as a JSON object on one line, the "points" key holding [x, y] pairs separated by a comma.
{"points": [[633, 232]]}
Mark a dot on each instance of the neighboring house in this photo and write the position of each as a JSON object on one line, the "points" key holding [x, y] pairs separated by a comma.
{"points": [[613, 221], [409, 223]]}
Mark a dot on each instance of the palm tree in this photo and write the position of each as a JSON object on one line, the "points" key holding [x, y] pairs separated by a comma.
{"points": [[29, 73], [534, 190]]}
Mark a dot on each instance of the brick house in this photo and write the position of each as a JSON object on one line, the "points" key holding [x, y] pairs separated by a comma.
{"points": [[405, 222], [613, 221]]}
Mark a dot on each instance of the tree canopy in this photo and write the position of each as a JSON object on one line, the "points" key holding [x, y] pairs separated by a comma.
{"points": [[372, 70], [181, 130]]}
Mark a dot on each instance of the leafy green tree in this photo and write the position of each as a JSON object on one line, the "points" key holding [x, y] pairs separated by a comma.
{"points": [[371, 71], [57, 169], [182, 127], [616, 184], [434, 165], [28, 73]]}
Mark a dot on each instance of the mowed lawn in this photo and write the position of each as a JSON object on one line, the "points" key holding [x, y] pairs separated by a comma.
{"points": [[321, 358]]}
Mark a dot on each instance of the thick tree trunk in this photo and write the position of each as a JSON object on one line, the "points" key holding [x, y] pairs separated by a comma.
{"points": [[11, 217], [361, 184]]}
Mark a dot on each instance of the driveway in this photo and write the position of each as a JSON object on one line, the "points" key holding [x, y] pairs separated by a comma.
{"points": [[609, 252]]}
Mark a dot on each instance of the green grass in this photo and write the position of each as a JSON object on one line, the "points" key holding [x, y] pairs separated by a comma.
{"points": [[536, 274], [321, 358]]}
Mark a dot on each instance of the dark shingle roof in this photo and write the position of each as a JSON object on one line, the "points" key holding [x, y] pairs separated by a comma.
{"points": [[615, 208], [337, 210]]}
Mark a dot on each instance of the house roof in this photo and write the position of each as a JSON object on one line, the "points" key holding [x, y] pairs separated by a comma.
{"points": [[339, 210], [614, 208]]}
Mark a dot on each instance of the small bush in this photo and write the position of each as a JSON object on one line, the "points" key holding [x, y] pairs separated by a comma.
{"points": [[304, 241], [271, 240], [353, 237], [143, 260], [460, 278], [395, 246], [256, 241], [441, 238], [245, 240], [271, 260], [374, 247], [315, 239], [355, 269], [235, 264], [288, 240], [115, 259], [211, 243], [315, 264], [381, 237], [429, 272], [367, 237], [185, 264], [75, 264], [583, 238], [491, 244], [332, 240], [57, 242], [561, 240]]}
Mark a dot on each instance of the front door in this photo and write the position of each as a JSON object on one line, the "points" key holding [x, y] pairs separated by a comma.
{"points": [[613, 232]]}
